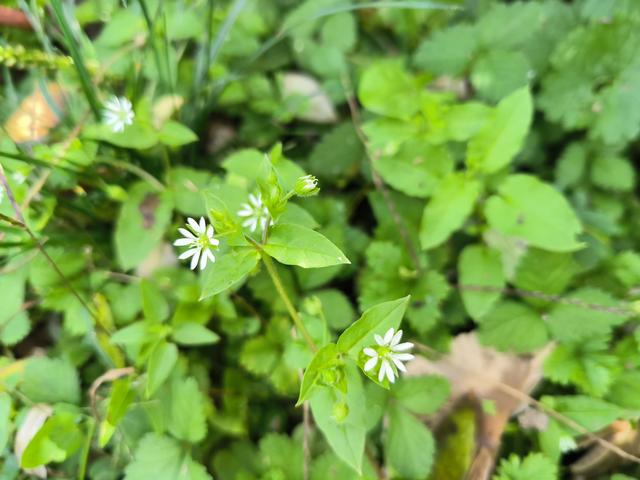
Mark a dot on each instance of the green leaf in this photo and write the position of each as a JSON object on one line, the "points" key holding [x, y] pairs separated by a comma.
{"points": [[122, 396], [337, 155], [50, 380], [154, 303], [161, 363], [421, 395], [187, 420], [584, 315], [493, 147], [297, 245], [325, 358], [409, 445], [591, 413], [613, 173], [134, 334], [139, 136], [175, 134], [346, 438], [376, 320], [480, 266], [625, 391], [161, 458], [522, 209], [416, 168], [141, 223], [451, 204], [498, 73], [512, 326], [5, 419], [192, 333], [229, 269], [534, 465], [56, 441], [448, 51], [283, 455], [547, 272], [387, 89]]}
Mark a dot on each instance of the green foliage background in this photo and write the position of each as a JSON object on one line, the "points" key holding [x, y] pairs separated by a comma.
{"points": [[479, 156]]}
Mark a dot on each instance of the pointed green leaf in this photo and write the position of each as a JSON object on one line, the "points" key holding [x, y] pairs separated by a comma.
{"points": [[479, 266], [161, 362], [326, 357], [229, 269]]}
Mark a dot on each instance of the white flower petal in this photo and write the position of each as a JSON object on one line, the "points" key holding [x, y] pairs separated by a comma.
{"points": [[255, 201], [210, 232], [405, 357], [194, 225], [203, 259], [383, 368], [399, 364], [211, 256], [186, 233], [370, 352], [402, 347], [388, 336], [182, 242], [203, 225], [215, 242], [246, 211], [370, 364], [189, 253], [378, 339], [390, 374], [254, 224], [194, 259], [396, 338]]}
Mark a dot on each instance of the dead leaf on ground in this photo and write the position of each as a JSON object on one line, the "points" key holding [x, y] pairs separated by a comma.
{"points": [[33, 422], [36, 115]]}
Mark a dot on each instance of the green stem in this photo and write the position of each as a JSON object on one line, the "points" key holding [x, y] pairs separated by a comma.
{"points": [[84, 457], [154, 47], [78, 62], [277, 282]]}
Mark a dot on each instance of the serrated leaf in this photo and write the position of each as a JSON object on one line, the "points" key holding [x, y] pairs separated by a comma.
{"points": [[448, 51], [521, 209], [50, 380], [421, 395], [192, 333], [297, 245], [187, 420], [534, 465], [161, 458], [512, 326], [499, 72], [448, 208], [482, 267], [493, 147], [175, 134], [337, 155], [376, 320], [386, 88]]}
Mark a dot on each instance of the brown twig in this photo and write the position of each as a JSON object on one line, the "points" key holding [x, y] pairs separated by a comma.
{"points": [[108, 376], [523, 397], [377, 180]]}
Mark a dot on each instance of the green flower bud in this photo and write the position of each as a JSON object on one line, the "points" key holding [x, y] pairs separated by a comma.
{"points": [[306, 186], [340, 411]]}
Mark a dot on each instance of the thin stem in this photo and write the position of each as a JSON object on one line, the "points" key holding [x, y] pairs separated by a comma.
{"points": [[143, 174], [78, 61], [154, 47], [277, 282], [86, 449]]}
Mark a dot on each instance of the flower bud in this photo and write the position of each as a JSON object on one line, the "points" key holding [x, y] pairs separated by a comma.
{"points": [[340, 411], [306, 186]]}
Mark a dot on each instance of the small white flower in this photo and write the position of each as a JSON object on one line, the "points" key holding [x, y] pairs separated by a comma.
{"points": [[118, 113], [391, 354], [306, 186], [201, 243], [255, 212]]}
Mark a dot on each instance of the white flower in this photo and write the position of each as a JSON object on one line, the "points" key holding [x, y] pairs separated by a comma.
{"points": [[201, 242], [306, 186], [391, 354], [255, 213], [118, 113]]}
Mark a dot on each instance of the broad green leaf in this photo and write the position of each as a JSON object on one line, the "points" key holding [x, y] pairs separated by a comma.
{"points": [[187, 420], [613, 173], [584, 315], [188, 186], [522, 208], [229, 269], [421, 395], [534, 465], [134, 334], [192, 333], [297, 245], [283, 455], [481, 267], [59, 438], [448, 51], [161, 458], [591, 413], [175, 134], [122, 396], [493, 147], [346, 438], [409, 445], [50, 380], [5, 419], [376, 320], [337, 156], [325, 358], [449, 207], [12, 286], [154, 303], [498, 73], [625, 391], [543, 271], [140, 136], [416, 168], [512, 326], [161, 363], [141, 223], [387, 88]]}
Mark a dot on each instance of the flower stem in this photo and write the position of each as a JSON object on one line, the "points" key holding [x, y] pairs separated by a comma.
{"points": [[277, 282]]}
